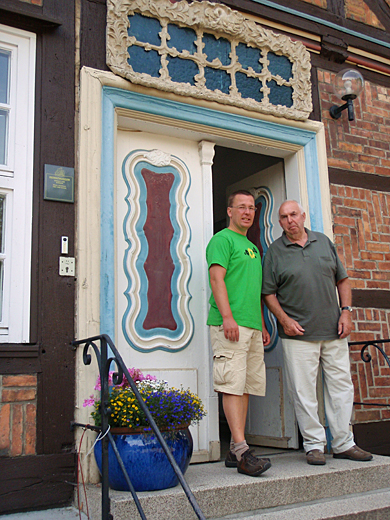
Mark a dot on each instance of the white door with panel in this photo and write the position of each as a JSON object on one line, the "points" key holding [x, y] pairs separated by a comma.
{"points": [[161, 280]]}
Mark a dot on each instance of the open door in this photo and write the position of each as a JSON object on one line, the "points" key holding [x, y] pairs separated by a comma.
{"points": [[271, 419]]}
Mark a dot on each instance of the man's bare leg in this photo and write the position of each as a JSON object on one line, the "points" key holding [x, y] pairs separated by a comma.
{"points": [[235, 408]]}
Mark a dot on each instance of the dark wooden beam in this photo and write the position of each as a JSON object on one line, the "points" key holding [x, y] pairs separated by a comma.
{"points": [[371, 298], [26, 16], [36, 482], [368, 181], [337, 7], [19, 359], [301, 21]]}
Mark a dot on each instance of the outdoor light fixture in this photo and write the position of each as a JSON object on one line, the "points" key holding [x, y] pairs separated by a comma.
{"points": [[347, 86]]}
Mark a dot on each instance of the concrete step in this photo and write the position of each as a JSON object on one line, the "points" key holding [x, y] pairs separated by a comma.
{"points": [[374, 505], [222, 491]]}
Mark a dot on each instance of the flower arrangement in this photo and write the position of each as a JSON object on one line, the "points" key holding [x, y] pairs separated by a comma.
{"points": [[170, 407]]}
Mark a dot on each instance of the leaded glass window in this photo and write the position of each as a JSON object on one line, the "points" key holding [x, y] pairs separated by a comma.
{"points": [[208, 51]]}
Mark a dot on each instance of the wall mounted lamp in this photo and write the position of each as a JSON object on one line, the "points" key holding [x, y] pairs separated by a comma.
{"points": [[347, 86]]}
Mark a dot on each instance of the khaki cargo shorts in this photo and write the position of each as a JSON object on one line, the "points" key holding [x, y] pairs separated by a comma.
{"points": [[238, 366]]}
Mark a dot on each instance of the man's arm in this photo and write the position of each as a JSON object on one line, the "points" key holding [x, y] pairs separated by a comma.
{"points": [[218, 286], [345, 297], [265, 334], [290, 326]]}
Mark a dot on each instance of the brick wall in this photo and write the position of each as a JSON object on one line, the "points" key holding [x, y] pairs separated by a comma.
{"points": [[361, 225], [359, 11], [18, 415]]}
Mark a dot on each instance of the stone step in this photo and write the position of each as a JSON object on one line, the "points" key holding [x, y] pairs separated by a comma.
{"points": [[222, 491], [374, 505]]}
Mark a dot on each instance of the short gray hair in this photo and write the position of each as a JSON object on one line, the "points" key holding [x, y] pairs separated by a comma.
{"points": [[296, 202]]}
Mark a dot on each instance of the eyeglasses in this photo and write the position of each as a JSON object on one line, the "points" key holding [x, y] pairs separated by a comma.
{"points": [[244, 208]]}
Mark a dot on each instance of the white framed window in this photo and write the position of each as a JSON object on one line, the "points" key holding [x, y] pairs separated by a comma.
{"points": [[17, 88]]}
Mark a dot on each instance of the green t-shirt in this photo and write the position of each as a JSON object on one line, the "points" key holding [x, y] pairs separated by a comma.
{"points": [[304, 280], [242, 262]]}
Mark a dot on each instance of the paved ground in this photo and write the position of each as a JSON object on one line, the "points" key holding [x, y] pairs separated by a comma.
{"points": [[66, 513]]}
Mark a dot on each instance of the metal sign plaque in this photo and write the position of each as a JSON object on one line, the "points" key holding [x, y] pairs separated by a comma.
{"points": [[59, 183]]}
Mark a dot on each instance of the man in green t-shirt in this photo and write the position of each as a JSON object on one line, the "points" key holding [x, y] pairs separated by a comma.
{"points": [[301, 274], [236, 326]]}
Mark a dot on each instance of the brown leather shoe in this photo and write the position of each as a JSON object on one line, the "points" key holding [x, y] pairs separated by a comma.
{"points": [[315, 458], [354, 453], [252, 466], [231, 459]]}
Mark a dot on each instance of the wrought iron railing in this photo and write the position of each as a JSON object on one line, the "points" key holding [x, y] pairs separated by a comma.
{"points": [[106, 355], [366, 357]]}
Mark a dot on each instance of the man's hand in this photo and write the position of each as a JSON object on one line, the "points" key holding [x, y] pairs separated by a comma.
{"points": [[230, 329], [345, 324], [266, 337], [292, 327], [345, 295]]}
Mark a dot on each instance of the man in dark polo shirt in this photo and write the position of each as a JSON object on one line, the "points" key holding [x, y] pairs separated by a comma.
{"points": [[301, 272]]}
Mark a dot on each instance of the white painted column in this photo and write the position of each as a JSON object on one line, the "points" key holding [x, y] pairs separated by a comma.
{"points": [[206, 153]]}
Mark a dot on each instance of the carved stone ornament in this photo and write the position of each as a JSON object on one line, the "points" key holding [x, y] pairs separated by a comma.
{"points": [[208, 51]]}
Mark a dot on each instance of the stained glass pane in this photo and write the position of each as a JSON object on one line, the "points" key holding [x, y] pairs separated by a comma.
{"points": [[217, 80], [144, 61], [280, 94], [4, 76], [3, 136], [248, 87], [182, 38], [249, 57], [144, 29], [182, 71], [214, 48], [279, 66]]}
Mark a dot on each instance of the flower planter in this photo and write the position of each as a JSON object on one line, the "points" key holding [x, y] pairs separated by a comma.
{"points": [[145, 461]]}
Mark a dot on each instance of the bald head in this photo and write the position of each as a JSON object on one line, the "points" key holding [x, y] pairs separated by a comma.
{"points": [[291, 202], [292, 219]]}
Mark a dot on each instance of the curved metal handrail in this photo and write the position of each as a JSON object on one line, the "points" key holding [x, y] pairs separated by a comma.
{"points": [[105, 360], [366, 357]]}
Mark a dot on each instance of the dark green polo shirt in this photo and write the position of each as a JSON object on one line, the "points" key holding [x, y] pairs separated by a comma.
{"points": [[304, 281]]}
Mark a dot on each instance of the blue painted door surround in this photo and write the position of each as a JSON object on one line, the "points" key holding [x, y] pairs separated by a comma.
{"points": [[113, 98]]}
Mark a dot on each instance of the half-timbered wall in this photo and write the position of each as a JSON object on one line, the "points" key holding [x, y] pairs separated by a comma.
{"points": [[37, 372]]}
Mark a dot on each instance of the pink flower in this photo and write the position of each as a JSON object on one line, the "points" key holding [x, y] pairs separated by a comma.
{"points": [[135, 374], [89, 402]]}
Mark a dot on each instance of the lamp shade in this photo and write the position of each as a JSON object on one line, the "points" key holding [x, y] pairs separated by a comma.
{"points": [[348, 84]]}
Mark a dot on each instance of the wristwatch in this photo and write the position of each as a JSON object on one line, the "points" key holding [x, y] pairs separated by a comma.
{"points": [[347, 308]]}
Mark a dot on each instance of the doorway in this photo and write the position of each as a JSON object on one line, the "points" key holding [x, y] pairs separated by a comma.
{"points": [[271, 421], [108, 108]]}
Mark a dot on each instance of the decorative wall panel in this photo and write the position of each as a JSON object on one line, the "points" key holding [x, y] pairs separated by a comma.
{"points": [[156, 264], [208, 51], [260, 233]]}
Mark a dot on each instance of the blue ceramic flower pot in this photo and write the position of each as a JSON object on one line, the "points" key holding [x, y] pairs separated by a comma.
{"points": [[145, 461]]}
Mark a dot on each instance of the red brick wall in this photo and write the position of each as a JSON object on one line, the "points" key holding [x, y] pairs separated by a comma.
{"points": [[18, 415], [359, 11], [361, 225]]}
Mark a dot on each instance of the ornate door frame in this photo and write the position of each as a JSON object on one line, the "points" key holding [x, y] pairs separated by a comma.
{"points": [[108, 102]]}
